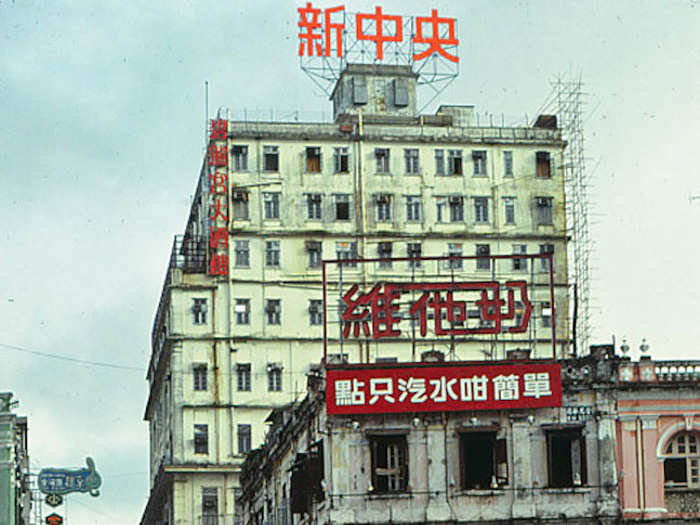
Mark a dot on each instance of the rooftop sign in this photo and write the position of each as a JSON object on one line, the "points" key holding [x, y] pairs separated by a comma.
{"points": [[450, 387]]}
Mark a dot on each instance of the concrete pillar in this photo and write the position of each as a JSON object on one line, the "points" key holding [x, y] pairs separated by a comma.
{"points": [[523, 504], [438, 510], [607, 466]]}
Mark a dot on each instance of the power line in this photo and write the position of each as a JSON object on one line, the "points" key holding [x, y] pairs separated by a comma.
{"points": [[71, 359]]}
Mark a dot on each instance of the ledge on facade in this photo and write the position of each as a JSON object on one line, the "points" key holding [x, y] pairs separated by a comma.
{"points": [[479, 492]]}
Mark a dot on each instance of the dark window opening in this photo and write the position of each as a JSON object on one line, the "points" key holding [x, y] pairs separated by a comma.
{"points": [[389, 463], [306, 485], [239, 200], [566, 458], [543, 164], [201, 439], [243, 377], [313, 160], [270, 158], [675, 471], [342, 207], [454, 162], [200, 377], [483, 251], [384, 250], [244, 438], [484, 463]]}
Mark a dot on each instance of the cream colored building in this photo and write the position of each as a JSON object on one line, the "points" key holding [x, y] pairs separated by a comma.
{"points": [[378, 182]]}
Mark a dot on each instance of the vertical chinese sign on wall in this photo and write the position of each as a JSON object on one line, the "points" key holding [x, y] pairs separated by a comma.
{"points": [[217, 166]]}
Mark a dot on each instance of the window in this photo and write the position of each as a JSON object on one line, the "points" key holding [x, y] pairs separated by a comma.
{"points": [[239, 200], [244, 439], [507, 163], [440, 205], [242, 254], [383, 207], [274, 377], [509, 208], [483, 262], [240, 157], [384, 252], [273, 311], [413, 251], [400, 92], [682, 461], [543, 164], [566, 457], [272, 253], [201, 439], [272, 205], [243, 377], [199, 373], [345, 251], [199, 311], [313, 254], [313, 160], [439, 162], [389, 463], [341, 160], [519, 265], [411, 156], [454, 162], [413, 208], [479, 161], [342, 207], [271, 158], [481, 210], [315, 312], [313, 206], [242, 310], [382, 156], [456, 209], [544, 210], [546, 314], [544, 262], [210, 506], [454, 250], [483, 460]]}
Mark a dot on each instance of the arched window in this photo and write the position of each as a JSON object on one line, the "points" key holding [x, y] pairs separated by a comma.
{"points": [[682, 461]]}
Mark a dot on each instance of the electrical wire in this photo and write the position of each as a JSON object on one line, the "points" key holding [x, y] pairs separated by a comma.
{"points": [[71, 359]]}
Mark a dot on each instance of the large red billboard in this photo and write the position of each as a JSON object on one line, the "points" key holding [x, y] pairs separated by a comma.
{"points": [[441, 388]]}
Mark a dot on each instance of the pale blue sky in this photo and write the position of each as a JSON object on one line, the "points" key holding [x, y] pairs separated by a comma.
{"points": [[101, 141]]}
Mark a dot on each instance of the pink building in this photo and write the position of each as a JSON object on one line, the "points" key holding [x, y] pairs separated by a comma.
{"points": [[658, 435]]}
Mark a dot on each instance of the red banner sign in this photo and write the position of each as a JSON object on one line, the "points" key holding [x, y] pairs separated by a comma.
{"points": [[218, 199], [450, 387]]}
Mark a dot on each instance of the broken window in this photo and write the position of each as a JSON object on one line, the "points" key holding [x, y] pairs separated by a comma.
{"points": [[382, 157], [201, 439], [313, 160], [199, 311], [384, 252], [544, 210], [507, 163], [242, 254], [389, 463], [313, 206], [210, 506], [243, 377], [342, 207], [200, 377], [509, 209], [519, 264], [346, 251], [456, 209], [682, 461], [274, 377], [439, 162], [244, 438], [484, 461], [479, 161], [239, 156], [315, 312], [483, 261], [383, 207], [413, 251], [454, 250], [454, 162], [313, 254], [306, 484], [270, 158], [543, 164], [411, 157], [566, 458], [242, 310], [272, 253], [413, 208], [481, 210], [239, 200], [341, 160], [273, 311]]}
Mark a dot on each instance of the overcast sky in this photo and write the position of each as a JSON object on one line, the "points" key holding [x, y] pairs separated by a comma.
{"points": [[101, 139]]}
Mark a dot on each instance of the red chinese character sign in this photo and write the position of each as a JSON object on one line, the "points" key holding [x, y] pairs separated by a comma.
{"points": [[217, 166], [330, 38], [372, 390]]}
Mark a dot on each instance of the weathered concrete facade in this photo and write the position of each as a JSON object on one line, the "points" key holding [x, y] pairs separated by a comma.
{"points": [[380, 180], [15, 495]]}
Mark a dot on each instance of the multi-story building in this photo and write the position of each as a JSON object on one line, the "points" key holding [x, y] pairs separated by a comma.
{"points": [[15, 495], [241, 315]]}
